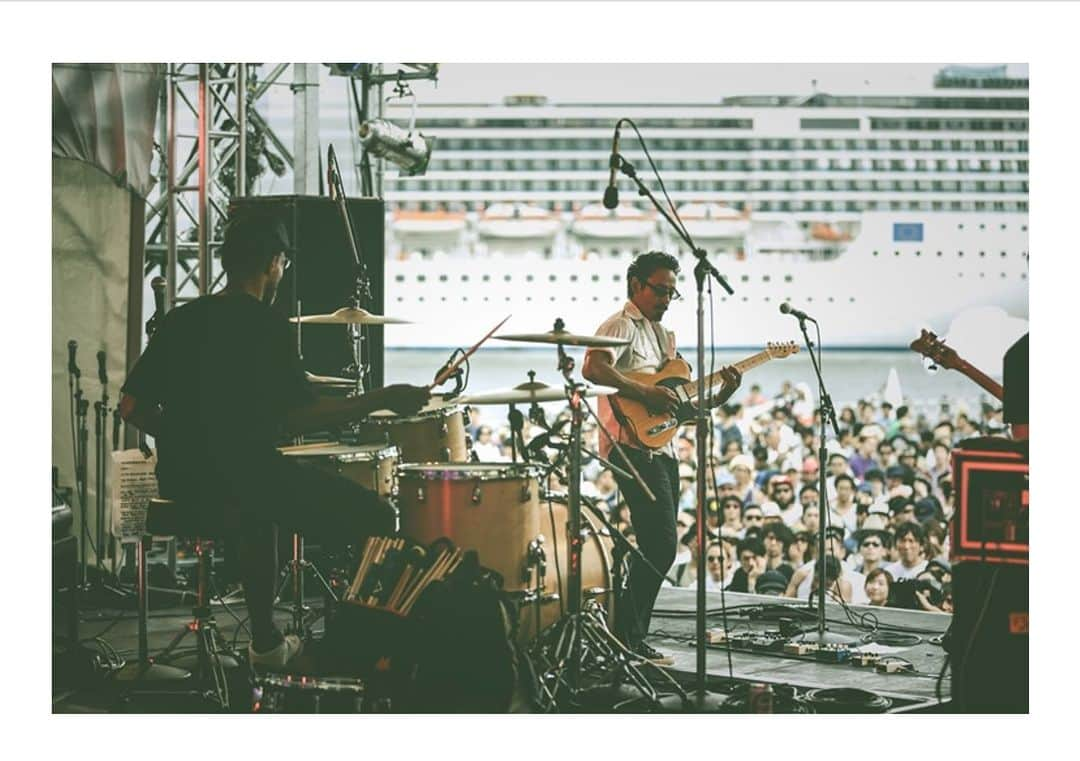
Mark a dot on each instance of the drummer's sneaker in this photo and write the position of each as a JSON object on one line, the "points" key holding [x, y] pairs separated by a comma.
{"points": [[647, 652], [276, 658]]}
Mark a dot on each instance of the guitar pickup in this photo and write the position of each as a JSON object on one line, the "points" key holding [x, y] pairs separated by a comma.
{"points": [[673, 423]]}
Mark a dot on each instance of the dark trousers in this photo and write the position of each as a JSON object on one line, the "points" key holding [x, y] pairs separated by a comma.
{"points": [[654, 526], [327, 509]]}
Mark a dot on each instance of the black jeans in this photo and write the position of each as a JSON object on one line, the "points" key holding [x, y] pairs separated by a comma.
{"points": [[654, 526], [327, 509]]}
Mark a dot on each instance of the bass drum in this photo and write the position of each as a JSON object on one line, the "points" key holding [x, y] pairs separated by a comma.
{"points": [[596, 567]]}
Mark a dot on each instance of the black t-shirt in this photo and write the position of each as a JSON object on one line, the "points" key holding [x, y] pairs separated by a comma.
{"points": [[224, 372]]}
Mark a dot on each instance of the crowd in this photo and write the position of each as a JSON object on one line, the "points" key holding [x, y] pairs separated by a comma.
{"points": [[887, 479]]}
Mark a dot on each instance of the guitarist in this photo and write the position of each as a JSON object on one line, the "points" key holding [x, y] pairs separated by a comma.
{"points": [[650, 286]]}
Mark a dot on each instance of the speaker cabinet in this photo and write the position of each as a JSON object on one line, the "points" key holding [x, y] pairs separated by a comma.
{"points": [[322, 276], [988, 642]]}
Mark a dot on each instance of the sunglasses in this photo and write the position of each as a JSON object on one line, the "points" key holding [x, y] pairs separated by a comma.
{"points": [[713, 558], [662, 291], [753, 518], [871, 544]]}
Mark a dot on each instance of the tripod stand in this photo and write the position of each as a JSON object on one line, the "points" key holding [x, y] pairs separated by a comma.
{"points": [[294, 571]]}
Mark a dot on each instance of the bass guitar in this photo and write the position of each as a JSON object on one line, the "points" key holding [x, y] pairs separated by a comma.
{"points": [[933, 348]]}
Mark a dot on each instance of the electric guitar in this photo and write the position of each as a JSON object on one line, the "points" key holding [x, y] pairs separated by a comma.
{"points": [[932, 347], [655, 429]]}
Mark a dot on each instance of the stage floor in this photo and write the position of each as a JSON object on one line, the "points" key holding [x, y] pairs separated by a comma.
{"points": [[674, 627], [673, 630]]}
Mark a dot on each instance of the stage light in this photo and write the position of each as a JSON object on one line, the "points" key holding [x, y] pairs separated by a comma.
{"points": [[410, 151]]}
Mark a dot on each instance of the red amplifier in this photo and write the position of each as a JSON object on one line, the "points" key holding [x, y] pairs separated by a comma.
{"points": [[990, 523]]}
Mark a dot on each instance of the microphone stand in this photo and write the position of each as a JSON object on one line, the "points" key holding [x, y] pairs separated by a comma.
{"points": [[822, 636], [703, 700], [362, 282], [82, 407]]}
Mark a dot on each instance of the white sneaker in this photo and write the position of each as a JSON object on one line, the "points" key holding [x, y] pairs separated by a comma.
{"points": [[290, 647]]}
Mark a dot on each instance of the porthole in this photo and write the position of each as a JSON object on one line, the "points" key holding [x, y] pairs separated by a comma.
{"points": [[746, 278], [959, 253], [486, 278], [596, 278], [421, 278], [551, 278], [464, 278], [766, 278], [939, 253], [875, 253], [528, 298], [399, 278], [918, 253], [442, 278], [506, 278], [787, 278], [573, 278], [982, 254], [896, 253], [1002, 254]]}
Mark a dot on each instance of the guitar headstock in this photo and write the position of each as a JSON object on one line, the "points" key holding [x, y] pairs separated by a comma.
{"points": [[781, 349], [933, 348]]}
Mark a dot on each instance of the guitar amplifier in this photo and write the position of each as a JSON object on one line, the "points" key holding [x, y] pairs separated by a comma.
{"points": [[990, 524]]}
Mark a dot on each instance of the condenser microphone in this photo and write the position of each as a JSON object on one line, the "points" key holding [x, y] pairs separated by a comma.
{"points": [[611, 194], [786, 308], [73, 369]]}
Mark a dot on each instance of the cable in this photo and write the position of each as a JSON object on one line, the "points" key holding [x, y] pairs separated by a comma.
{"points": [[974, 632], [659, 179]]}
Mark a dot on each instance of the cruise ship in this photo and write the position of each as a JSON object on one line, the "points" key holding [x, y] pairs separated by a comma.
{"points": [[876, 214]]}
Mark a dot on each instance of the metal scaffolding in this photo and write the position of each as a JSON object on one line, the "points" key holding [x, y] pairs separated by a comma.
{"points": [[202, 164]]}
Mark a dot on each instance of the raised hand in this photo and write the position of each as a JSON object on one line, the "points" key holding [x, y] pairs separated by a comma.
{"points": [[405, 399]]}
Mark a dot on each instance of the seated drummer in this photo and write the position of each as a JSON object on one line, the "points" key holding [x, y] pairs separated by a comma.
{"points": [[218, 385]]}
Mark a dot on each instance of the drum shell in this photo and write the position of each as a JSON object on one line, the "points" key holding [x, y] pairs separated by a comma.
{"points": [[370, 465], [491, 508], [596, 566], [436, 435], [287, 693]]}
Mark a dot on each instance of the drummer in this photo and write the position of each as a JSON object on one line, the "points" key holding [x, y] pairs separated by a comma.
{"points": [[217, 386]]}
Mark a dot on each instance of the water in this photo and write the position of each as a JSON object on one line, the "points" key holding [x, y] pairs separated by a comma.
{"points": [[849, 375]]}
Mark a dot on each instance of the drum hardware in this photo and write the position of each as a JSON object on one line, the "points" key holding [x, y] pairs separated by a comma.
{"points": [[294, 571], [580, 633]]}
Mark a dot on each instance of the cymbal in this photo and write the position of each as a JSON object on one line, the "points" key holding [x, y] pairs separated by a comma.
{"points": [[527, 393], [348, 316], [568, 338], [329, 380]]}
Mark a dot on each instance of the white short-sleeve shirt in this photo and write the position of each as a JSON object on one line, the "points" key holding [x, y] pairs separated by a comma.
{"points": [[651, 345]]}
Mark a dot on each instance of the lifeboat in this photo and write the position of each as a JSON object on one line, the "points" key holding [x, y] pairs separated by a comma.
{"points": [[621, 223], [517, 221], [825, 232], [428, 223], [712, 221]]}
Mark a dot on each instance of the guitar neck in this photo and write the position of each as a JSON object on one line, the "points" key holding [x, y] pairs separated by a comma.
{"points": [[743, 365], [982, 379]]}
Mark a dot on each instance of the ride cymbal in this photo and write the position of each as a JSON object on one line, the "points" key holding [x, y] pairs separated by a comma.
{"points": [[527, 393], [567, 338]]}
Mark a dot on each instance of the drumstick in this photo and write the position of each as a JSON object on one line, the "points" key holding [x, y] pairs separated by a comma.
{"points": [[403, 581], [441, 377], [351, 593], [369, 558], [425, 579]]}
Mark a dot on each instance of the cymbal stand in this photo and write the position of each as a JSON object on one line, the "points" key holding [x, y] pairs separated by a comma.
{"points": [[582, 635]]}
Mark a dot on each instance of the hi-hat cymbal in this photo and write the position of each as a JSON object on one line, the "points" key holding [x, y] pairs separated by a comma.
{"points": [[567, 338], [527, 393], [348, 316]]}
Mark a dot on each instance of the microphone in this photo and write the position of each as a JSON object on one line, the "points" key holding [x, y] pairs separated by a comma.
{"points": [[73, 369], [611, 195], [101, 369], [786, 308], [158, 286]]}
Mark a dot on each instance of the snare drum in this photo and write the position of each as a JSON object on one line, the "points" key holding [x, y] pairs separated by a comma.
{"points": [[493, 508], [436, 434], [286, 693], [596, 565], [370, 465]]}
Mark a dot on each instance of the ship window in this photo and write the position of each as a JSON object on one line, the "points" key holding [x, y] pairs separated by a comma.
{"points": [[464, 278], [573, 278], [421, 298], [766, 298], [421, 278], [982, 253], [506, 278], [787, 278], [442, 299], [596, 278], [551, 278], [831, 299], [400, 299], [528, 278], [809, 298], [896, 253], [1023, 276], [464, 298], [918, 253], [939, 253], [765, 278], [1003, 254], [851, 299], [746, 278], [1003, 274], [959, 253], [615, 278], [399, 279], [486, 278], [875, 253], [442, 278], [528, 298]]}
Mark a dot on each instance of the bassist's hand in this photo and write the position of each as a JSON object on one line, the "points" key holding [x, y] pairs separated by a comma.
{"points": [[659, 399], [730, 378]]}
